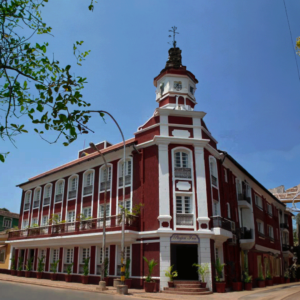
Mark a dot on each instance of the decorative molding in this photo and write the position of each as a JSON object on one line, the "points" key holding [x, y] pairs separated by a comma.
{"points": [[183, 185], [181, 133]]}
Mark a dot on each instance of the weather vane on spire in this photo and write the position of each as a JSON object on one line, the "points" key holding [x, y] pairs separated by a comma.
{"points": [[174, 28]]}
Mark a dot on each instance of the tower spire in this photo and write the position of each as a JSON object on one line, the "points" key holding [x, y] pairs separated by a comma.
{"points": [[174, 28], [174, 60]]}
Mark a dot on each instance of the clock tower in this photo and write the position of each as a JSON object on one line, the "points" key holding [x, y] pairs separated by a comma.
{"points": [[175, 85]]}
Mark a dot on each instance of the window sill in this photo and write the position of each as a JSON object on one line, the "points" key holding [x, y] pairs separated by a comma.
{"points": [[263, 238], [46, 205], [128, 185], [260, 208], [86, 195], [69, 199]]}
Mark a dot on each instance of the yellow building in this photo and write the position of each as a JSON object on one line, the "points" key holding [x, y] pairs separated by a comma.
{"points": [[4, 251]]}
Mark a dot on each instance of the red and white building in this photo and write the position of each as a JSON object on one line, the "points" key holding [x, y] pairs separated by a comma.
{"points": [[199, 203]]}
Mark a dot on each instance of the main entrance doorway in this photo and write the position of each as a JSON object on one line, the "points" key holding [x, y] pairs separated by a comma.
{"points": [[183, 257]]}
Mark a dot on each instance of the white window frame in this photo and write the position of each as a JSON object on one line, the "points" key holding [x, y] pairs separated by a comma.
{"points": [[58, 192], [71, 256], [127, 205], [128, 171], [9, 220], [33, 219], [101, 210], [271, 231], [25, 223], [228, 210], [43, 220], [183, 204], [53, 257], [182, 164], [3, 251], [27, 200], [102, 173], [89, 210], [88, 181], [49, 185], [258, 202], [213, 171], [80, 260], [73, 216], [70, 186], [261, 226]]}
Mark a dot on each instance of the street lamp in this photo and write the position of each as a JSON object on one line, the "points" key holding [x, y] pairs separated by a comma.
{"points": [[103, 283], [101, 112]]}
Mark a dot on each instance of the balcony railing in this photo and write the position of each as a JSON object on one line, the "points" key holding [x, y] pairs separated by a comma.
{"points": [[87, 190], [286, 247], [183, 172], [271, 238], [214, 180], [246, 234], [185, 219], [284, 225], [127, 180], [92, 225], [58, 198], [36, 204], [218, 221], [244, 197], [102, 185], [26, 206], [47, 201], [72, 194]]}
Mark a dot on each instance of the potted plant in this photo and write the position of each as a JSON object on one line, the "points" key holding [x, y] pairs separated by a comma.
{"points": [[28, 267], [128, 281], [203, 270], [68, 276], [261, 280], [269, 279], [220, 285], [247, 282], [236, 285], [171, 274], [287, 276], [149, 282], [53, 269], [85, 277], [20, 266], [40, 267], [13, 266]]}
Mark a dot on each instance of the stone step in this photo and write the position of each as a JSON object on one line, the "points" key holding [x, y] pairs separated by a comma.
{"points": [[188, 285], [187, 293], [186, 281], [187, 289]]}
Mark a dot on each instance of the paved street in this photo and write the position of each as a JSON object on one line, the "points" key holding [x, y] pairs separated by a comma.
{"points": [[17, 291]]}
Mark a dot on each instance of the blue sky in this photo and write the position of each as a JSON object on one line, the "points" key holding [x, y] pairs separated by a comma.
{"points": [[240, 51]]}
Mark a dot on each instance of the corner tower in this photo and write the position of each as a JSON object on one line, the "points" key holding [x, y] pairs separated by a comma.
{"points": [[175, 85]]}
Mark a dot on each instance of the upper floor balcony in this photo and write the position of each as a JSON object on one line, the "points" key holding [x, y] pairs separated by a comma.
{"points": [[246, 234], [218, 221], [286, 247], [183, 173], [185, 219], [284, 226], [113, 223]]}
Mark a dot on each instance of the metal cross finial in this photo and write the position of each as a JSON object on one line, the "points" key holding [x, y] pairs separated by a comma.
{"points": [[174, 28]]}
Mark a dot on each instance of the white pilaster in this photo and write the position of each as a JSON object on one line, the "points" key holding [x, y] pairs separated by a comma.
{"points": [[10, 256], [201, 187], [165, 260], [164, 127], [197, 129], [164, 194], [205, 258]]}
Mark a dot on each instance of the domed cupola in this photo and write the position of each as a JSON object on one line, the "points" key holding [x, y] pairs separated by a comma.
{"points": [[175, 85]]}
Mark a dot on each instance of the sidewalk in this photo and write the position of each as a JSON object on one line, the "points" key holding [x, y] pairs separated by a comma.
{"points": [[289, 291]]}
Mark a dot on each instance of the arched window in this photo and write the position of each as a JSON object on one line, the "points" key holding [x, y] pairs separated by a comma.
{"points": [[213, 171], [128, 171], [105, 176], [27, 200], [182, 164], [73, 184], [59, 191], [47, 194], [88, 183], [36, 198], [181, 160]]}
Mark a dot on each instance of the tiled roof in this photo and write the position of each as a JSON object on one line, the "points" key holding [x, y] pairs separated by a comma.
{"points": [[80, 160], [8, 214], [287, 195]]}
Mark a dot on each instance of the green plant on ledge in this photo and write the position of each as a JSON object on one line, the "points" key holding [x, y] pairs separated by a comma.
{"points": [[247, 278], [13, 263], [151, 264], [203, 270], [219, 269], [40, 267], [286, 274], [269, 277], [70, 268], [53, 266], [260, 276], [29, 264], [127, 266], [171, 274], [86, 266], [20, 267]]}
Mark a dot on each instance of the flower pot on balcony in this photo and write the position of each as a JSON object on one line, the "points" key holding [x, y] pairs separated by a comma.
{"points": [[39, 275], [248, 286], [269, 282], [19, 273], [53, 276], [27, 274], [85, 279], [171, 284], [149, 287], [237, 286], [68, 277], [287, 280], [261, 283], [220, 287], [128, 282], [203, 284]]}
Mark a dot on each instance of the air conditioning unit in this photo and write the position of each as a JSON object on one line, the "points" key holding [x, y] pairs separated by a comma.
{"points": [[233, 241], [232, 226]]}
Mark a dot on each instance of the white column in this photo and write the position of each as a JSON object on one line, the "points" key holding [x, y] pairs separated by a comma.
{"points": [[10, 256], [164, 194], [164, 127], [205, 258], [201, 187], [165, 260], [197, 129]]}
